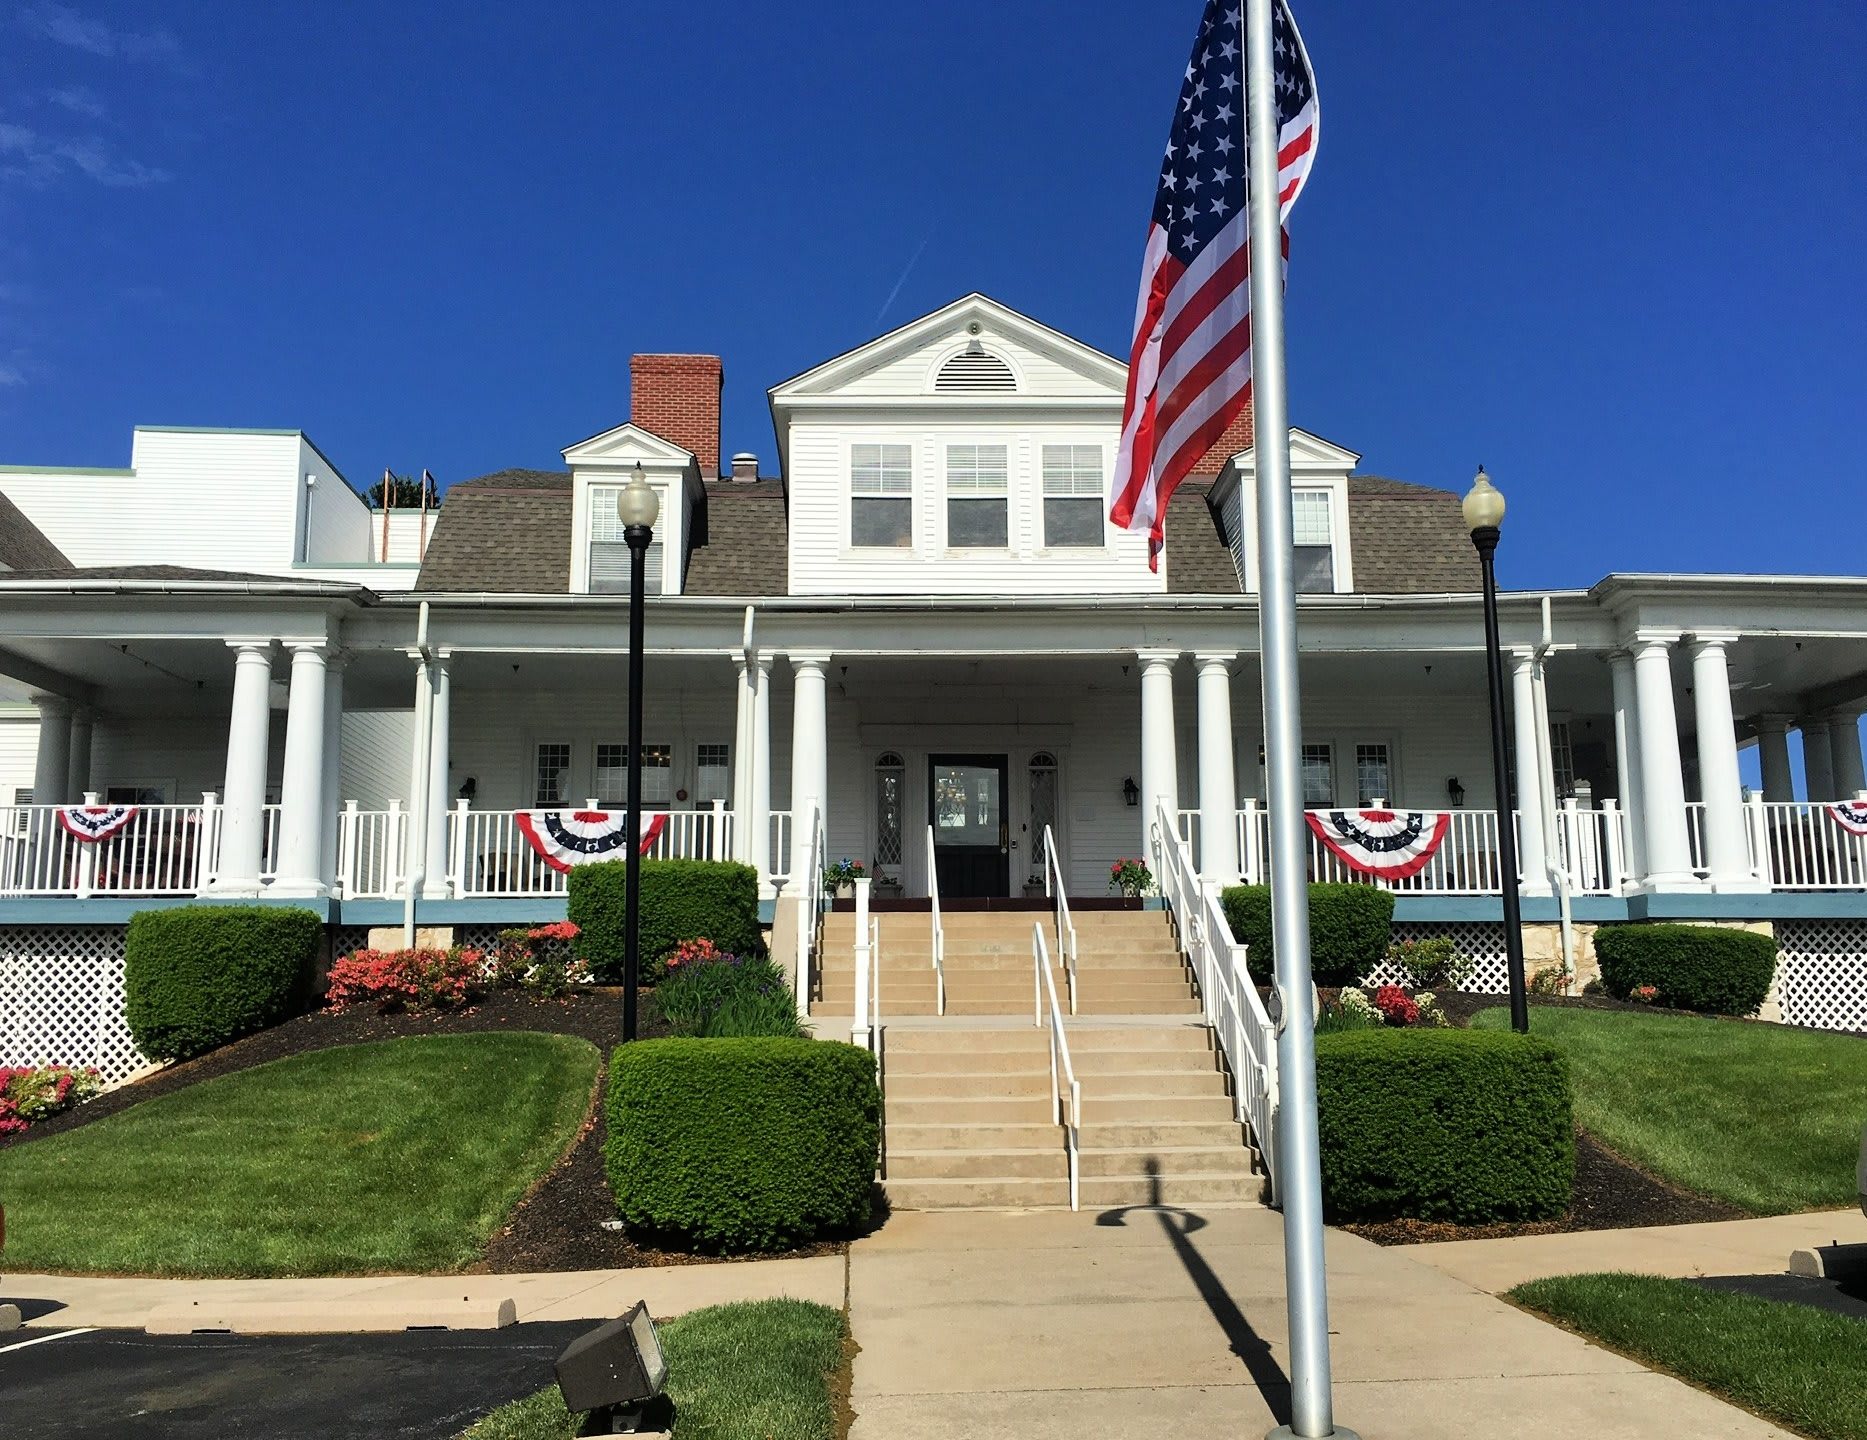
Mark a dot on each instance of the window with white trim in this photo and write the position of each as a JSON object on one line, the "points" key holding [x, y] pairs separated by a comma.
{"points": [[712, 774], [1072, 496], [881, 496], [1562, 759], [1312, 514], [1318, 777], [609, 551], [551, 775], [611, 779], [978, 498], [1374, 774]]}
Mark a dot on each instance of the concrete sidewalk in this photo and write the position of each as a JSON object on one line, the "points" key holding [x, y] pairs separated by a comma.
{"points": [[567, 1295], [1052, 1326], [1719, 1247]]}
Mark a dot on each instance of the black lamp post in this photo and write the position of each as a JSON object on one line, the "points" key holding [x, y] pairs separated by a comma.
{"points": [[636, 508], [1483, 508]]}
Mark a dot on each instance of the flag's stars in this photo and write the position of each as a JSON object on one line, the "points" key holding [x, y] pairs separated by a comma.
{"points": [[1197, 120], [1228, 82], [1223, 144], [1220, 205], [1228, 51], [1192, 152], [1224, 112]]}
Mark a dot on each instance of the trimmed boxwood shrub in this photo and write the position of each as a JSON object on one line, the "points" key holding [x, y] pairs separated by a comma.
{"points": [[1693, 967], [198, 976], [1465, 1125], [715, 900], [733, 1145], [1349, 927]]}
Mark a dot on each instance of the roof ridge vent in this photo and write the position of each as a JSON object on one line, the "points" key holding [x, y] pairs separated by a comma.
{"points": [[975, 370]]}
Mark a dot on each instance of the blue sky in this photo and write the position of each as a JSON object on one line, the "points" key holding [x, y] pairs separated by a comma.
{"points": [[1610, 250]]}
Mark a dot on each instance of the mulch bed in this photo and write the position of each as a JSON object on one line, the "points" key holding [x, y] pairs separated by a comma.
{"points": [[558, 1225], [1610, 1191]]}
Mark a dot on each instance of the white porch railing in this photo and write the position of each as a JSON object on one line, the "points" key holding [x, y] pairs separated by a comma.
{"points": [[165, 850], [1228, 999], [1806, 848], [372, 851], [1466, 863], [1062, 1072], [780, 864], [938, 946], [1055, 888]]}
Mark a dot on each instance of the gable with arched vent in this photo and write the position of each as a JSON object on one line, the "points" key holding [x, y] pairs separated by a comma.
{"points": [[975, 370]]}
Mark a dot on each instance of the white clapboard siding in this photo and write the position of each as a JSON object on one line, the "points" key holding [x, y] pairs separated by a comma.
{"points": [[336, 519], [1038, 374], [378, 746]]}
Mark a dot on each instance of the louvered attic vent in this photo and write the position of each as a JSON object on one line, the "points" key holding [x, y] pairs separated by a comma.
{"points": [[975, 371]]}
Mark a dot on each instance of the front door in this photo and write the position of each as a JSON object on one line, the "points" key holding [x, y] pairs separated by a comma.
{"points": [[971, 834]]}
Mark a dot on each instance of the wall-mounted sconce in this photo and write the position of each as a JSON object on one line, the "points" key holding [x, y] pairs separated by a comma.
{"points": [[1455, 792], [1130, 793]]}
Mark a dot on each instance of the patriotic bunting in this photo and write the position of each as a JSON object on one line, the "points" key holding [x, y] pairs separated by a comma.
{"points": [[1851, 816], [1387, 844], [579, 837], [91, 823]]}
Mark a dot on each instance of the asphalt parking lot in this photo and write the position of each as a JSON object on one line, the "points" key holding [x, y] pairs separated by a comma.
{"points": [[417, 1385]]}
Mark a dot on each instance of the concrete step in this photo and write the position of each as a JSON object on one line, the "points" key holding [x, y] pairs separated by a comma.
{"points": [[1030, 1135], [980, 1194], [1163, 1134], [984, 1110], [1051, 1163], [947, 1038], [1088, 1061], [1007, 1084], [1100, 1192], [1185, 1160], [842, 960], [961, 1005], [1101, 1109], [1097, 1192]]}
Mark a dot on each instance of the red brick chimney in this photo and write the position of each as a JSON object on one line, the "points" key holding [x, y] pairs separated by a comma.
{"points": [[1236, 437], [678, 398]]}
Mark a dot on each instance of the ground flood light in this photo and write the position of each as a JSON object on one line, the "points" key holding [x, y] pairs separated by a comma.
{"points": [[616, 1372]]}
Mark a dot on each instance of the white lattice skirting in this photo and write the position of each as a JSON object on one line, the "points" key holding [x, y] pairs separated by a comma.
{"points": [[1479, 942], [61, 999], [1821, 973]]}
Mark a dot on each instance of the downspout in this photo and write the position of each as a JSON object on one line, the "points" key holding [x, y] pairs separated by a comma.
{"points": [[1553, 864], [417, 844]]}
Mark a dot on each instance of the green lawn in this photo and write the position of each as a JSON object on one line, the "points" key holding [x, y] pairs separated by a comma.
{"points": [[1763, 1116], [395, 1156], [758, 1370], [1794, 1364]]}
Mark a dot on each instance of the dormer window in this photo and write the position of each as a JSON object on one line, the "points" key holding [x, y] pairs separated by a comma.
{"points": [[975, 370], [977, 497], [881, 496], [609, 551], [1313, 541]]}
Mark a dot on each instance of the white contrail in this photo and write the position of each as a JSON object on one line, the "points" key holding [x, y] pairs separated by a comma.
{"points": [[908, 270]]}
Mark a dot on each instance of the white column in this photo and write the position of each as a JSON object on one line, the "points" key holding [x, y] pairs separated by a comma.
{"points": [[332, 798], [761, 766], [1627, 763], [1844, 745], [743, 685], [1727, 850], [1668, 847], [78, 767], [1779, 780], [1532, 802], [1218, 786], [1818, 760], [301, 793], [51, 770], [810, 764], [243, 802], [1160, 764], [440, 794]]}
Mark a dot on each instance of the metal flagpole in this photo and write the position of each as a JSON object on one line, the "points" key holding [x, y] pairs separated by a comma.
{"points": [[1299, 1165]]}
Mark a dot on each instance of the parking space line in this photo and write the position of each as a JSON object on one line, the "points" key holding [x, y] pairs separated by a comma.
{"points": [[41, 1339]]}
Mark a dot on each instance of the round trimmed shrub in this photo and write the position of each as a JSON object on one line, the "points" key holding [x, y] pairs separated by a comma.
{"points": [[1465, 1125], [197, 976], [1693, 967], [743, 1144], [680, 900], [1349, 928]]}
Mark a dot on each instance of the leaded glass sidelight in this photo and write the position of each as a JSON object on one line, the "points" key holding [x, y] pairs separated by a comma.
{"points": [[890, 786], [1043, 791]]}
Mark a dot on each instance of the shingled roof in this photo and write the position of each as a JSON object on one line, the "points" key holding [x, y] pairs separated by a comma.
{"points": [[747, 541], [1408, 539], [23, 545], [506, 533]]}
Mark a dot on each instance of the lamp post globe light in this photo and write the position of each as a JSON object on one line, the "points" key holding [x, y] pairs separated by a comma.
{"points": [[636, 508], [1483, 508]]}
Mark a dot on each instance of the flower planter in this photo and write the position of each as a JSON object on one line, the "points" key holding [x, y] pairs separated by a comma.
{"points": [[846, 892]]}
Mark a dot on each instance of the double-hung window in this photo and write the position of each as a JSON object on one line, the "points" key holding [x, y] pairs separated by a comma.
{"points": [[978, 497], [612, 775], [1313, 541], [712, 774], [551, 775], [609, 552], [881, 496], [1072, 496]]}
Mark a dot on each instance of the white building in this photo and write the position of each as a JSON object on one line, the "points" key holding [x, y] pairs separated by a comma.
{"points": [[920, 646]]}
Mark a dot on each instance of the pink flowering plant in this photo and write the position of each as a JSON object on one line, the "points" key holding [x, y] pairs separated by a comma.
{"points": [[393, 980], [1397, 1007], [1645, 994], [701, 951], [31, 1093], [1131, 877]]}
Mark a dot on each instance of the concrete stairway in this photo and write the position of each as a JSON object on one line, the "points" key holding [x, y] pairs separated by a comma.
{"points": [[969, 1113]]}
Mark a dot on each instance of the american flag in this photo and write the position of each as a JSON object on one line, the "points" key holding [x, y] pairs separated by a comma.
{"points": [[1189, 369]]}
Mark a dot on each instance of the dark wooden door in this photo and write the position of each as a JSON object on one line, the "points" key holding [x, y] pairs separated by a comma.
{"points": [[971, 830]]}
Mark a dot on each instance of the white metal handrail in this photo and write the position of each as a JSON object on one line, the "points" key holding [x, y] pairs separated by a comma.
{"points": [[810, 904], [866, 1024], [371, 846], [939, 930], [1044, 986], [1060, 900], [1228, 998]]}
